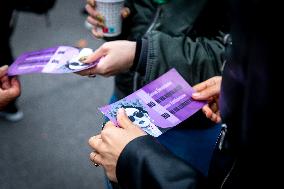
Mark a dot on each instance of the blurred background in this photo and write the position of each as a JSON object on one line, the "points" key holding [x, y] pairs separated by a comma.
{"points": [[49, 149]]}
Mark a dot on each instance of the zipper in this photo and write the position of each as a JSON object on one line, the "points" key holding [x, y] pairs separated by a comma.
{"points": [[220, 147], [150, 28], [154, 22], [228, 175]]}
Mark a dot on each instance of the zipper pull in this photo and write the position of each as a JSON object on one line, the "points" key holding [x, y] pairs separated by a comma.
{"points": [[222, 137]]}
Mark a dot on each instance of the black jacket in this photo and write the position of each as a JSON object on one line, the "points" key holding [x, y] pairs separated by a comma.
{"points": [[249, 94]]}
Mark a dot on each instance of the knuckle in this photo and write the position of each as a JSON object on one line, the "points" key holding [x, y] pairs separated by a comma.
{"points": [[104, 48], [106, 72], [105, 132]]}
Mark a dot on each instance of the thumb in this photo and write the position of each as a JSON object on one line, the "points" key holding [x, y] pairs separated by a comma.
{"points": [[122, 119], [15, 89], [207, 89], [95, 56], [15, 83], [3, 70], [206, 94]]}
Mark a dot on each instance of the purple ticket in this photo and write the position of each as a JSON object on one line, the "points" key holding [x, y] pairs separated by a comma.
{"points": [[61, 59], [158, 106]]}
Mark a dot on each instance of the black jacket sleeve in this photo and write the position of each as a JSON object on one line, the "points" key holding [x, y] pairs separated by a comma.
{"points": [[196, 59], [145, 164]]}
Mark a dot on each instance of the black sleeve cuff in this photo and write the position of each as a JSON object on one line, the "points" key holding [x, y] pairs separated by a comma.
{"points": [[140, 59], [137, 54], [145, 163], [129, 161]]}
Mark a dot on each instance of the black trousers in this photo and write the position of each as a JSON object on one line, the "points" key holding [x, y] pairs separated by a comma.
{"points": [[6, 57]]}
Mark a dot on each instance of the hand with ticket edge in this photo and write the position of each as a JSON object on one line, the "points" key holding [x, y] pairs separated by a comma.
{"points": [[209, 90], [109, 144], [116, 57], [97, 20], [10, 88]]}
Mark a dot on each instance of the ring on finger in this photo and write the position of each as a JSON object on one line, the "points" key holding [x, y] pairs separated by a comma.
{"points": [[92, 76], [94, 162]]}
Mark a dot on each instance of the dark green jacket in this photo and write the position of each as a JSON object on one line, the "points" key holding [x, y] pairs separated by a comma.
{"points": [[186, 35]]}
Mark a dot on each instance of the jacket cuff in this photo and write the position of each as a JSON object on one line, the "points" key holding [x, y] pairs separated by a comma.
{"points": [[140, 59], [144, 163], [129, 156]]}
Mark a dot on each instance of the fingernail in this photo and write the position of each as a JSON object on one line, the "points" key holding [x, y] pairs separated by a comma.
{"points": [[195, 94], [120, 111], [5, 67]]}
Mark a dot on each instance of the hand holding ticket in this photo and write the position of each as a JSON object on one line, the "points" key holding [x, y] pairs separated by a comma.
{"points": [[61, 59], [158, 106]]}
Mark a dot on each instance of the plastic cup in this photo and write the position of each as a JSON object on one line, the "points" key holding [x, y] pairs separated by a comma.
{"points": [[111, 10]]}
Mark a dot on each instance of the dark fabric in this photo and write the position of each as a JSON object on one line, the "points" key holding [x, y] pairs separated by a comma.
{"points": [[196, 60], [6, 11], [123, 84], [144, 163], [142, 63], [197, 146], [250, 93], [133, 28], [137, 55]]}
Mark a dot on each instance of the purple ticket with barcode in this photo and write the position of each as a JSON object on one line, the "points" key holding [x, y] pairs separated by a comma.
{"points": [[61, 59], [158, 106]]}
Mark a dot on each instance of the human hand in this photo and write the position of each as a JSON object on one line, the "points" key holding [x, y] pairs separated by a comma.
{"points": [[97, 20], [116, 57], [209, 90], [9, 88], [109, 144]]}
